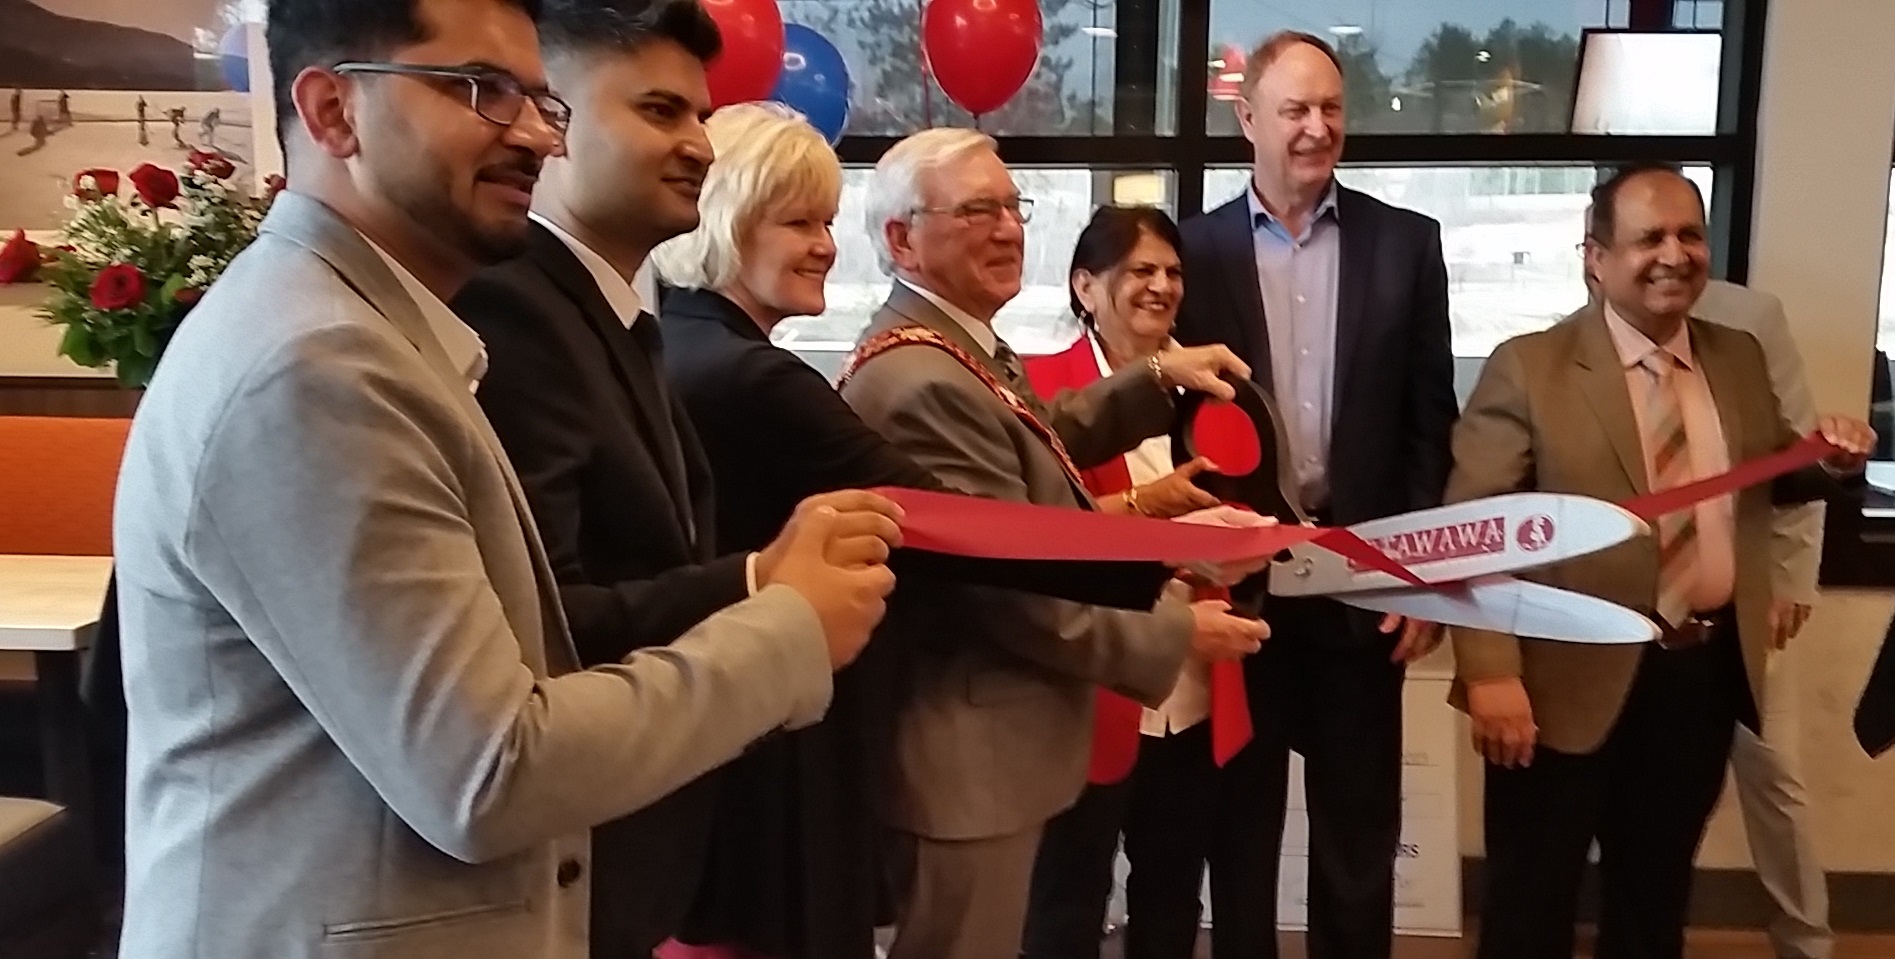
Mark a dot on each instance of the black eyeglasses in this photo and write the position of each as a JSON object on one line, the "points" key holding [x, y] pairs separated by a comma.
{"points": [[494, 94]]}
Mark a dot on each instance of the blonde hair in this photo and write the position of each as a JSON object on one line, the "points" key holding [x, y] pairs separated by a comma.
{"points": [[895, 187], [767, 155]]}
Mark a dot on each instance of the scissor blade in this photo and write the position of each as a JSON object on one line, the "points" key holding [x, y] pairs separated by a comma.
{"points": [[1483, 537], [1515, 606]]}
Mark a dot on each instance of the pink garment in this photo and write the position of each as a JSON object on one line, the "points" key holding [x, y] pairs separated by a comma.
{"points": [[1710, 455], [673, 949]]}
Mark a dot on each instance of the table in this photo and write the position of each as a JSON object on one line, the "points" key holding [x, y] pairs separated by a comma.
{"points": [[49, 606]]}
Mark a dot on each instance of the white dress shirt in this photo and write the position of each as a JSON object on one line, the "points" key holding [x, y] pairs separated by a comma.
{"points": [[982, 333], [619, 293], [462, 345], [1190, 700]]}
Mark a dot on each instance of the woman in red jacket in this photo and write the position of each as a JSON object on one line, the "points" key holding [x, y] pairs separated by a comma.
{"points": [[1153, 772]]}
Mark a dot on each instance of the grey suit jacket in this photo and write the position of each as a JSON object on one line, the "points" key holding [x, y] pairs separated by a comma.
{"points": [[356, 724], [996, 730], [1796, 540]]}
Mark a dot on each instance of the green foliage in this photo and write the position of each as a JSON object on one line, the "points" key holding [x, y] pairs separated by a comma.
{"points": [[179, 252]]}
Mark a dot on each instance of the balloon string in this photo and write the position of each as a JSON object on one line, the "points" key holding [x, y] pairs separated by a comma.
{"points": [[921, 61]]}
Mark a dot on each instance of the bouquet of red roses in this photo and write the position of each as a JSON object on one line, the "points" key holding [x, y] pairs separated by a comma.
{"points": [[131, 267]]}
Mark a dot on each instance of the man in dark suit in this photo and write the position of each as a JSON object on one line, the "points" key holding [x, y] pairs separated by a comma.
{"points": [[619, 486], [1339, 304]]}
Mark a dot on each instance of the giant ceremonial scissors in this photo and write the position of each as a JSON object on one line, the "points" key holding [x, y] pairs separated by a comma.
{"points": [[1454, 565], [1451, 564]]}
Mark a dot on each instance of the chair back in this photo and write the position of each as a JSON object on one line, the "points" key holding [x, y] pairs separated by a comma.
{"points": [[58, 475]]}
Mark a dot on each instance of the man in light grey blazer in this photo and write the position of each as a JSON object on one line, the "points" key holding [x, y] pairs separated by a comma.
{"points": [[357, 728], [994, 738], [1770, 787]]}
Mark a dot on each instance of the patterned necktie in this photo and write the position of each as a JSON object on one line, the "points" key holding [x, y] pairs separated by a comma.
{"points": [[1670, 454], [1009, 361]]}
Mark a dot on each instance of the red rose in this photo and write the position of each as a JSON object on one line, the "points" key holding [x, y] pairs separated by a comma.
{"points": [[213, 164], [19, 259], [118, 286], [188, 296], [157, 186], [104, 183]]}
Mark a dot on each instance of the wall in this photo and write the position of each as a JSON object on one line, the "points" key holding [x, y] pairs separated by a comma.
{"points": [[1827, 123]]}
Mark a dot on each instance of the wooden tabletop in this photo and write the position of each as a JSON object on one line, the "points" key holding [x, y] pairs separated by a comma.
{"points": [[50, 603]]}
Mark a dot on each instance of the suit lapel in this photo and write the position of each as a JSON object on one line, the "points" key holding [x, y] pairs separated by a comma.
{"points": [[310, 224], [638, 374], [1726, 386], [1353, 276], [905, 307], [1239, 246], [1602, 378]]}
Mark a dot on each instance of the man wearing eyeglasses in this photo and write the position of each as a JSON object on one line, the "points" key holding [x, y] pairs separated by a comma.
{"points": [[994, 737], [358, 725]]}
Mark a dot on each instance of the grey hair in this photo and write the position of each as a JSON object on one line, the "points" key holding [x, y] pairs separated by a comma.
{"points": [[895, 187]]}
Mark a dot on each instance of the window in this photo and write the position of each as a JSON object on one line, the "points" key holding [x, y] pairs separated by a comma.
{"points": [[1438, 66], [1039, 320], [1131, 118], [1510, 236], [1079, 88]]}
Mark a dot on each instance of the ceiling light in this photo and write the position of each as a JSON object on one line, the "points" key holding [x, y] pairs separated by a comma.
{"points": [[1346, 30], [1103, 33]]}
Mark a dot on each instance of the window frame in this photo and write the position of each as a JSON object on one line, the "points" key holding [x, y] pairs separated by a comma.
{"points": [[1731, 151]]}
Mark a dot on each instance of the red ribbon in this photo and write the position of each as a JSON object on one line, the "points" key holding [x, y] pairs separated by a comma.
{"points": [[1809, 450], [999, 529]]}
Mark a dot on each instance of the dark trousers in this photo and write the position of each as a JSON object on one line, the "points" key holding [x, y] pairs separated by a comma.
{"points": [[1645, 795], [1323, 686], [1178, 812]]}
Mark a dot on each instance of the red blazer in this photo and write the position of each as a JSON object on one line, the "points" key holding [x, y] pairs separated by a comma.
{"points": [[1115, 729]]}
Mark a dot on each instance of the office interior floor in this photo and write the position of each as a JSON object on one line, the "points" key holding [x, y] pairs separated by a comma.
{"points": [[1701, 944]]}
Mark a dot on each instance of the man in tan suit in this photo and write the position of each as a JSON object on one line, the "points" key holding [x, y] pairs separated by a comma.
{"points": [[1626, 744]]}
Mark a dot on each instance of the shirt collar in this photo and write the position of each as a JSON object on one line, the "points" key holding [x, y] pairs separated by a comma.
{"points": [[982, 333], [1633, 346], [1098, 350], [619, 294], [462, 345], [1259, 215]]}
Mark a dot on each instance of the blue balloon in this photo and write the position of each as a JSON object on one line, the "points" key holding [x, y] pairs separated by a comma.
{"points": [[233, 58], [814, 81]]}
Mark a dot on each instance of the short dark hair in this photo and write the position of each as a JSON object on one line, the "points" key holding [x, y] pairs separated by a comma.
{"points": [[322, 33], [1275, 46], [585, 26], [1604, 222], [1110, 237]]}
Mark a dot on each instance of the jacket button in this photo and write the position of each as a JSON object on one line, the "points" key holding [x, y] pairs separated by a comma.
{"points": [[568, 873]]}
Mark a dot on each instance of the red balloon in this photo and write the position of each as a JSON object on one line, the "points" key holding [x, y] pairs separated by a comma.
{"points": [[981, 51], [753, 50]]}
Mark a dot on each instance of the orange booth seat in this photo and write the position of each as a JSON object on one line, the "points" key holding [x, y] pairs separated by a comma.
{"points": [[57, 476]]}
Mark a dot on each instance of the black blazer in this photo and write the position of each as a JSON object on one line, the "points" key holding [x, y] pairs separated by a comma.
{"points": [[794, 864], [616, 478], [1394, 405]]}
